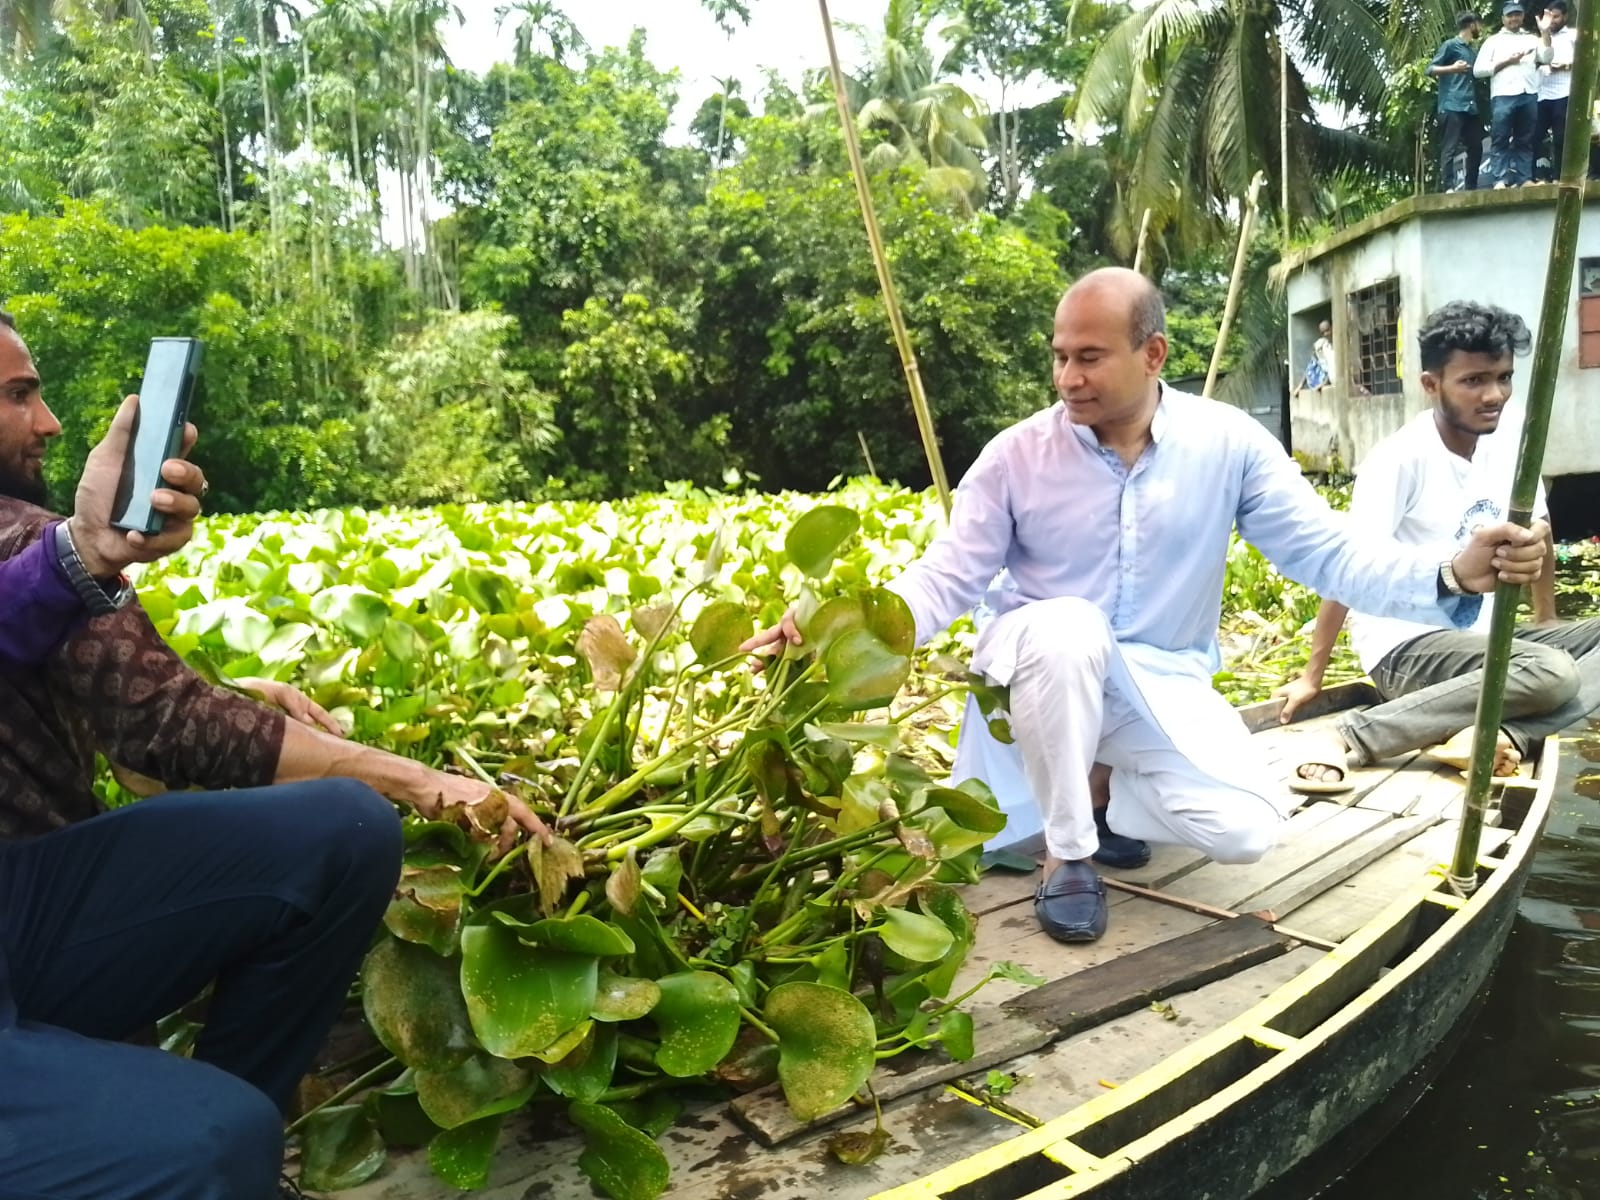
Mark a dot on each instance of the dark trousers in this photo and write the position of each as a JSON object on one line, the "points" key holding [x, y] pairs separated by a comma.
{"points": [[1552, 120], [1430, 688], [1458, 131], [271, 895], [1511, 137]]}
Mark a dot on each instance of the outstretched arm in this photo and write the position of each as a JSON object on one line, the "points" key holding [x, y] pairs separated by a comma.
{"points": [[1282, 515], [1299, 692]]}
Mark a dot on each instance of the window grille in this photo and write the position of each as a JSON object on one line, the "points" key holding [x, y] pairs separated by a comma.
{"points": [[1375, 330]]}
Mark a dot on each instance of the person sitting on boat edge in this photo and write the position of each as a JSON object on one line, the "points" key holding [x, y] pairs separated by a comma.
{"points": [[110, 920], [1112, 512], [1430, 484]]}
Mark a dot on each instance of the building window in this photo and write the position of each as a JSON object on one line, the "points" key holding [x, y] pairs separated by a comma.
{"points": [[1589, 312], [1375, 331]]}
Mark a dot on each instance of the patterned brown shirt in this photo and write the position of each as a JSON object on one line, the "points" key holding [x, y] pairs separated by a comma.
{"points": [[116, 688]]}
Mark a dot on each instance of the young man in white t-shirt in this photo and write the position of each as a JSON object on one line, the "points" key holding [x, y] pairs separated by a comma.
{"points": [[1443, 474], [1555, 87]]}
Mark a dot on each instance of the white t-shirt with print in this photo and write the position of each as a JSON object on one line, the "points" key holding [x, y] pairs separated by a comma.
{"points": [[1413, 489]]}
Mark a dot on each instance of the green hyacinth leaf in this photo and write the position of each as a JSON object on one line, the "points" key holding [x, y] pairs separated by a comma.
{"points": [[623, 1162], [624, 998], [521, 998], [966, 810], [914, 936], [718, 631], [698, 1016], [482, 1086], [461, 1156], [862, 671], [413, 1002], [582, 934], [340, 1147], [826, 1044], [586, 1073], [814, 541], [426, 908], [945, 905]]}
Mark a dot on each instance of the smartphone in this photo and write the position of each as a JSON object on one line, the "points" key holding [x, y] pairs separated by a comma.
{"points": [[170, 375]]}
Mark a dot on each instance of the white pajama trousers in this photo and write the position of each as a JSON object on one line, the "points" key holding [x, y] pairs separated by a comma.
{"points": [[1184, 768]]}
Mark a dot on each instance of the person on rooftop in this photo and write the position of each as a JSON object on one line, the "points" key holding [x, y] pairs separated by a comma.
{"points": [[1460, 127], [1510, 60]]}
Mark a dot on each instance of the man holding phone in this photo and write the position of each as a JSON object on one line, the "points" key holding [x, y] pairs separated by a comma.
{"points": [[267, 885]]}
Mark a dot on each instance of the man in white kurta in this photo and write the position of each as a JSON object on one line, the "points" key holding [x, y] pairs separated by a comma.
{"points": [[1111, 514]]}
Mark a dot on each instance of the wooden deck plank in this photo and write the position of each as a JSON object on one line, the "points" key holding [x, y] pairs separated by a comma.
{"points": [[1306, 885], [1053, 1081], [1103, 993], [1342, 910], [998, 1037], [1314, 832]]}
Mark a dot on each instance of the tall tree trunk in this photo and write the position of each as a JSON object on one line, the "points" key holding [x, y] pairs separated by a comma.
{"points": [[274, 220], [222, 111]]}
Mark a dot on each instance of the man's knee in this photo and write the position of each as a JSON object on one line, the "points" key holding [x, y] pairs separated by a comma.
{"points": [[1063, 631], [1244, 836], [1541, 679], [216, 1139], [355, 831]]}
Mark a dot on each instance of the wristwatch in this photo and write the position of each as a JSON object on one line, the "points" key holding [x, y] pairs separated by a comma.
{"points": [[99, 598], [1448, 583]]}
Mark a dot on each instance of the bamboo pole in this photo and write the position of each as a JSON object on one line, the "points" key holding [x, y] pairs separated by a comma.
{"points": [[1530, 453], [1283, 129], [1247, 220], [880, 259]]}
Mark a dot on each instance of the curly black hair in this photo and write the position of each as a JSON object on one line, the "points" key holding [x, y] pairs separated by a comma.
{"points": [[1471, 328]]}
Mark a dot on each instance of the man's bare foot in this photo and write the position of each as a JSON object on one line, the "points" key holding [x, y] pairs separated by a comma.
{"points": [[1457, 752], [1324, 764]]}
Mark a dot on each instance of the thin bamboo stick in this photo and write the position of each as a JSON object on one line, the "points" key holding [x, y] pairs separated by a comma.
{"points": [[1530, 454], [880, 259], [1247, 220]]}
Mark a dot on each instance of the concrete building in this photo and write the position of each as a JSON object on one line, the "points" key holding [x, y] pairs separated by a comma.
{"points": [[1377, 279]]}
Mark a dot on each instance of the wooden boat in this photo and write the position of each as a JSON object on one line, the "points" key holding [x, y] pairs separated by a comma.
{"points": [[1187, 1055]]}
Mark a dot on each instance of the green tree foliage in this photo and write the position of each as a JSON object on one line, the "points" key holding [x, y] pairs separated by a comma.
{"points": [[447, 419], [795, 337], [88, 295]]}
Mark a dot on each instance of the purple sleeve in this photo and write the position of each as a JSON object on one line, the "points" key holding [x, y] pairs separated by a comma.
{"points": [[38, 606]]}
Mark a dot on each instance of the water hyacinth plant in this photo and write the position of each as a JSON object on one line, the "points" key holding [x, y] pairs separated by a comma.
{"points": [[750, 882]]}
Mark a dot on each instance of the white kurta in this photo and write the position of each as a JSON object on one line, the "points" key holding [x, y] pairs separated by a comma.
{"points": [[1061, 516]]}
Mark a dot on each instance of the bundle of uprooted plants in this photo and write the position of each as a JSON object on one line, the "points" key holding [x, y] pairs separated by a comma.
{"points": [[749, 884]]}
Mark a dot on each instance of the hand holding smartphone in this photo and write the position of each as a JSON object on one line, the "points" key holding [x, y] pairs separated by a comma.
{"points": [[170, 374]]}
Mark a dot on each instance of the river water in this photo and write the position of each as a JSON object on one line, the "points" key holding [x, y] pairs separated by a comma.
{"points": [[1516, 1111]]}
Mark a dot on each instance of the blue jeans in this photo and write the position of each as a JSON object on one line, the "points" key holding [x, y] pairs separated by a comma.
{"points": [[1511, 123], [272, 895]]}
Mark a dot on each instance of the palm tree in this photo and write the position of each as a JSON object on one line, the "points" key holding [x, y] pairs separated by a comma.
{"points": [[927, 122], [1192, 87], [542, 23], [25, 25]]}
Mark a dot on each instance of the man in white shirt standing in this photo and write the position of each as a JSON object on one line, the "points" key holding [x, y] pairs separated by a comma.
{"points": [[1555, 86], [1510, 61], [1111, 513], [1430, 484]]}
